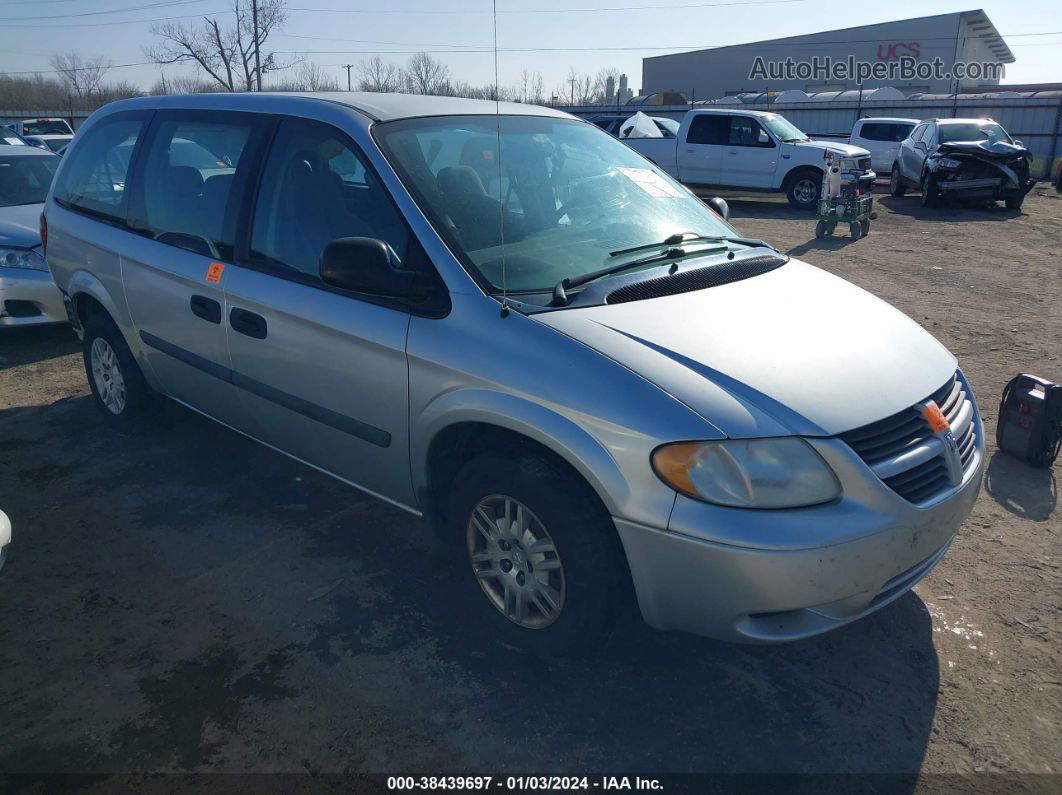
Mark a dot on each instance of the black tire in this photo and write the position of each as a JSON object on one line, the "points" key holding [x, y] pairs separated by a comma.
{"points": [[139, 401], [1014, 202], [592, 562], [930, 191], [865, 227], [896, 186], [803, 189], [855, 229], [820, 229]]}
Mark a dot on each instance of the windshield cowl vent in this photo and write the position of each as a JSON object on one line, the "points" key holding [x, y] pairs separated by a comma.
{"points": [[697, 279]]}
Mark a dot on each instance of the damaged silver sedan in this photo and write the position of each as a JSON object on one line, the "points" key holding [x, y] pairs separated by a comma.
{"points": [[967, 159]]}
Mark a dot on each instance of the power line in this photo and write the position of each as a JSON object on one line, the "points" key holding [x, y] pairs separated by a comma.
{"points": [[392, 43], [163, 4], [449, 11], [201, 14]]}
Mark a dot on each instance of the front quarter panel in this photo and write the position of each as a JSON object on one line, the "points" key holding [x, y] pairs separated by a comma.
{"points": [[517, 374]]}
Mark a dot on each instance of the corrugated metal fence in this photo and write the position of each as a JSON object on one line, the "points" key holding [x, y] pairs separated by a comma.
{"points": [[1035, 121]]}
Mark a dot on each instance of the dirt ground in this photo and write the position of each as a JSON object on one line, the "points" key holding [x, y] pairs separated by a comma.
{"points": [[190, 601]]}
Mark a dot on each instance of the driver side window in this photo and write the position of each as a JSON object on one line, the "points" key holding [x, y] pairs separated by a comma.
{"points": [[316, 188]]}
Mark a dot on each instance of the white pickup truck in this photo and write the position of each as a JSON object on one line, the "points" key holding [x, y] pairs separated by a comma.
{"points": [[751, 149]]}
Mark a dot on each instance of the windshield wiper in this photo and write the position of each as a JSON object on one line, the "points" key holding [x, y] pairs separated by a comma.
{"points": [[560, 290], [689, 237]]}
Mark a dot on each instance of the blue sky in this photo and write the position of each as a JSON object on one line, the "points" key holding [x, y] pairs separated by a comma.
{"points": [[329, 34]]}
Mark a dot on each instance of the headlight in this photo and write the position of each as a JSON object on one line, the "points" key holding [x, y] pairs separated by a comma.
{"points": [[949, 162], [848, 164], [748, 473], [22, 258]]}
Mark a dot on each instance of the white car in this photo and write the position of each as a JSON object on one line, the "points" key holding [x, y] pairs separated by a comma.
{"points": [[751, 149], [881, 137], [46, 126]]}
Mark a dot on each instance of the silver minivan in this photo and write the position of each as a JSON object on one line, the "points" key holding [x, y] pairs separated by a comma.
{"points": [[502, 319]]}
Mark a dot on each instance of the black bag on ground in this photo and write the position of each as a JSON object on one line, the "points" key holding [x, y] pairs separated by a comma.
{"points": [[1030, 420]]}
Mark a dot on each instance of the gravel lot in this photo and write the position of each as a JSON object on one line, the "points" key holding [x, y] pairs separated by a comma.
{"points": [[190, 601]]}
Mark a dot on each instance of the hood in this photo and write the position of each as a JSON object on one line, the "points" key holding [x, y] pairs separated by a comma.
{"points": [[845, 150], [796, 350], [20, 226], [995, 150]]}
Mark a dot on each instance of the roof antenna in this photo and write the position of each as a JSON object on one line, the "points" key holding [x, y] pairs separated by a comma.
{"points": [[501, 207]]}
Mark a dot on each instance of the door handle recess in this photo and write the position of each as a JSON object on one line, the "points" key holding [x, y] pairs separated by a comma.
{"points": [[249, 323], [206, 308]]}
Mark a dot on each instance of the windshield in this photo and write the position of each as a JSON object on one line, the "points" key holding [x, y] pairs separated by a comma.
{"points": [[667, 126], [46, 127], [25, 180], [973, 131], [783, 129], [564, 193]]}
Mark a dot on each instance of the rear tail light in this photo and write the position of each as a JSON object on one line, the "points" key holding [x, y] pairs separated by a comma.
{"points": [[44, 235]]}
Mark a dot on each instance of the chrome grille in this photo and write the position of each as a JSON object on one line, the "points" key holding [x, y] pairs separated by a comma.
{"points": [[863, 163], [903, 451]]}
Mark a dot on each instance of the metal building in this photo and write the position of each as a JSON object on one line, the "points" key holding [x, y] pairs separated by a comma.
{"points": [[967, 36]]}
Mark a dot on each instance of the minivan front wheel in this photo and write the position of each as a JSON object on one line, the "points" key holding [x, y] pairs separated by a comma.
{"points": [[120, 391], [539, 560]]}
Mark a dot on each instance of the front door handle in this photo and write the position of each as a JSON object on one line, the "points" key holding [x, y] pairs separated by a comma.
{"points": [[206, 308], [248, 323]]}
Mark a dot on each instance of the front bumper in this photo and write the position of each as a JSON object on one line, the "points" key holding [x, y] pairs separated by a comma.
{"points": [[29, 298], [696, 576]]}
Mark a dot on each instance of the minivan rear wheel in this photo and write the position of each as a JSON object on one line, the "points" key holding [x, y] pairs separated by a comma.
{"points": [[120, 391], [538, 558]]}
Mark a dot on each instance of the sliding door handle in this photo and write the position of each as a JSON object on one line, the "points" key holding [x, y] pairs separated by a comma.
{"points": [[248, 323], [206, 308]]}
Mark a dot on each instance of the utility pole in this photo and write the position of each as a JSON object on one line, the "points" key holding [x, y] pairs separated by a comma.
{"points": [[572, 81], [257, 62], [348, 67]]}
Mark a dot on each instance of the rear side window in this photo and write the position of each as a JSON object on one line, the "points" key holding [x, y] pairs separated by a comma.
{"points": [[709, 129], [884, 131], [189, 169], [94, 177], [316, 188]]}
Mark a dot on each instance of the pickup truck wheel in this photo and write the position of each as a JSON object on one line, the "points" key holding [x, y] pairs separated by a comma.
{"points": [[930, 191], [538, 556], [803, 189], [120, 391], [896, 186]]}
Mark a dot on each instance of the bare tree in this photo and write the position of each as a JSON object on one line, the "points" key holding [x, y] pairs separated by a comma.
{"points": [[425, 75], [82, 76], [310, 77], [578, 88], [602, 96], [377, 75], [226, 52]]}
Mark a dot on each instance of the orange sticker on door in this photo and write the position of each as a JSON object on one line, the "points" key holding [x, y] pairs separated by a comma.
{"points": [[935, 417], [214, 272]]}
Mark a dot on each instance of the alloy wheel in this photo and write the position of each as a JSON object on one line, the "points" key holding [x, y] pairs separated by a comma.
{"points": [[804, 190], [516, 561], [107, 375]]}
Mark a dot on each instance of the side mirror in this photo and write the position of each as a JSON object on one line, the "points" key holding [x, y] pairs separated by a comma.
{"points": [[1018, 143], [363, 265], [722, 209], [920, 146], [763, 138]]}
